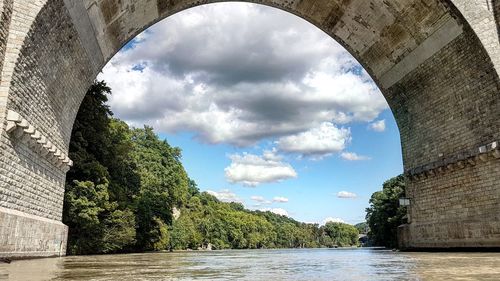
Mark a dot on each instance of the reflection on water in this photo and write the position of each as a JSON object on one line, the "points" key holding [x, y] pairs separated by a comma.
{"points": [[300, 264]]}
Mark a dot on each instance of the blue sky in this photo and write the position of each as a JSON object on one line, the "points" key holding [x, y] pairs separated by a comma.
{"points": [[268, 110]]}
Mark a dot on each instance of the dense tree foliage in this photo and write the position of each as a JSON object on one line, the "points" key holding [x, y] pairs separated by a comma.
{"points": [[205, 220], [384, 214], [126, 182], [163, 186], [362, 227], [342, 234], [97, 203]]}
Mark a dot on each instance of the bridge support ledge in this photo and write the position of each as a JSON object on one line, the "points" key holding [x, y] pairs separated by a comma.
{"points": [[26, 236], [450, 236]]}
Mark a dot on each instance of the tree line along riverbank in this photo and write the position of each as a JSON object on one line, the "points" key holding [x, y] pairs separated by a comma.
{"points": [[126, 183]]}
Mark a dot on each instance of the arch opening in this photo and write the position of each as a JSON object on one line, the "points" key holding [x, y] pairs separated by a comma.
{"points": [[290, 75]]}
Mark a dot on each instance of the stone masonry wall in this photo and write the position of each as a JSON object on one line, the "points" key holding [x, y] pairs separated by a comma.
{"points": [[46, 88], [460, 207], [19, 16], [480, 14], [5, 19], [441, 116], [24, 236], [496, 11], [438, 108]]}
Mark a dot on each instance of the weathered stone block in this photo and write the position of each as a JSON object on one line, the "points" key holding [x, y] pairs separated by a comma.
{"points": [[23, 235]]}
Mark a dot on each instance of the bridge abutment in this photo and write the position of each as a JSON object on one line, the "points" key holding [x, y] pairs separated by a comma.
{"points": [[26, 236], [455, 205]]}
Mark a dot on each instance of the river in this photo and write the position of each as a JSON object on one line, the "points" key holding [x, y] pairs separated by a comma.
{"points": [[269, 265]]}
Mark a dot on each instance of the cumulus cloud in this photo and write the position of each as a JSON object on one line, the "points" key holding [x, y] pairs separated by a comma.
{"points": [[280, 199], [260, 200], [252, 170], [321, 141], [332, 219], [278, 211], [346, 195], [238, 73], [225, 195], [351, 156], [377, 126]]}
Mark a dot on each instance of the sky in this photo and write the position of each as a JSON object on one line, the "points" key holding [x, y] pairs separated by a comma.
{"points": [[268, 110]]}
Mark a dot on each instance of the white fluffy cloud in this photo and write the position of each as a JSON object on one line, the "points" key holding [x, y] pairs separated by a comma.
{"points": [[346, 195], [258, 198], [332, 219], [378, 126], [321, 141], [280, 199], [260, 201], [225, 195], [252, 170], [278, 211], [239, 73], [351, 156]]}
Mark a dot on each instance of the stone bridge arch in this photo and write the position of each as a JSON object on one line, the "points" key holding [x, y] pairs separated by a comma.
{"points": [[436, 62]]}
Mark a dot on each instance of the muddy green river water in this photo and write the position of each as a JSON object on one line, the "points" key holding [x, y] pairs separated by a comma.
{"points": [[299, 264]]}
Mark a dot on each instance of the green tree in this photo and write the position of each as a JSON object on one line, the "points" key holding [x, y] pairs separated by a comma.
{"points": [[159, 166], [95, 225], [125, 182], [384, 214], [342, 234], [286, 233], [119, 231], [161, 235], [153, 213], [362, 227], [184, 234], [91, 208], [100, 147]]}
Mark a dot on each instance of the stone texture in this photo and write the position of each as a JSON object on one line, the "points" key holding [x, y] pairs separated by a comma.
{"points": [[19, 16], [482, 15], [5, 18], [23, 236], [436, 62]]}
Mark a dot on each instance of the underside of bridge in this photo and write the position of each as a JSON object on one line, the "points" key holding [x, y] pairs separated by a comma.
{"points": [[436, 62]]}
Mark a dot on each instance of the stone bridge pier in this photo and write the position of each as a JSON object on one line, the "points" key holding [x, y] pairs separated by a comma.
{"points": [[437, 63]]}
